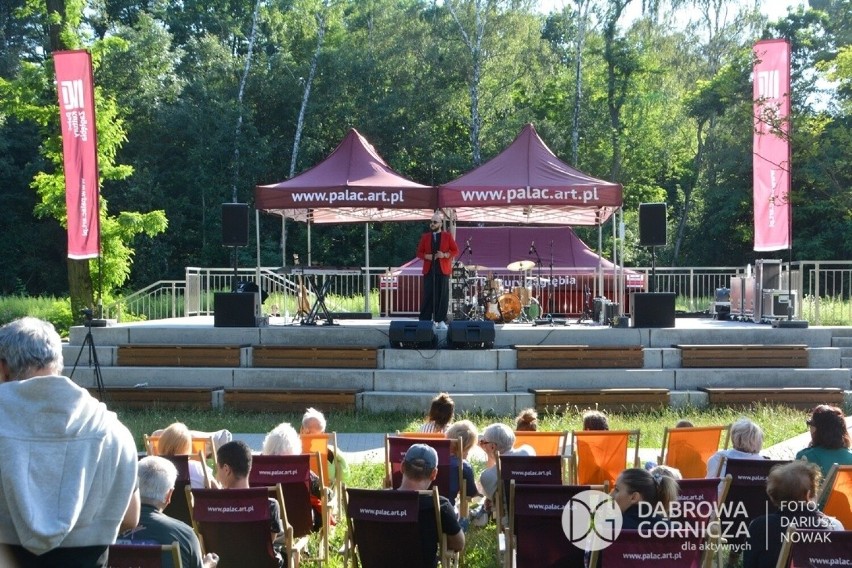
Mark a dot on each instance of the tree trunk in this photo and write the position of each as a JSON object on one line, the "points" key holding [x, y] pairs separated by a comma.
{"points": [[306, 94]]}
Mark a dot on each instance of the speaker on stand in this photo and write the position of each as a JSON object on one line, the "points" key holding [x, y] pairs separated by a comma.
{"points": [[235, 231], [652, 233]]}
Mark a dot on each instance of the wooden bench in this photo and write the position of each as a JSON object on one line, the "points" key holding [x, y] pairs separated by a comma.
{"points": [[790, 356], [179, 355], [798, 397], [164, 397], [608, 399], [315, 357], [580, 356], [294, 400]]}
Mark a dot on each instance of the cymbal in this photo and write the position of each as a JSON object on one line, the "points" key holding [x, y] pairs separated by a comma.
{"points": [[520, 265], [477, 268]]}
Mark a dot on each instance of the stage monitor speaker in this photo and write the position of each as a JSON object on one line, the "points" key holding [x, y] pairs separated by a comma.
{"points": [[653, 309], [235, 225], [412, 335], [235, 309], [470, 334], [652, 224]]}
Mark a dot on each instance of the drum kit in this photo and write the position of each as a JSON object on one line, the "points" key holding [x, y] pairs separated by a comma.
{"points": [[495, 300]]}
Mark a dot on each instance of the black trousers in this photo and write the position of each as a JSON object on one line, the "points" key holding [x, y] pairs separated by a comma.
{"points": [[436, 295]]}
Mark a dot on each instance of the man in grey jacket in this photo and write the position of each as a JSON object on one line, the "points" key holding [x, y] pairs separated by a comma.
{"points": [[68, 467]]}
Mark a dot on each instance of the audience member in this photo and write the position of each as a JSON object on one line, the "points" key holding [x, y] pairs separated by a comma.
{"points": [[283, 440], [176, 440], [527, 421], [595, 420], [667, 471], [68, 473], [830, 441], [217, 438], [440, 413], [156, 483], [313, 422], [419, 470], [234, 467], [792, 488], [747, 441], [497, 439], [684, 424], [638, 485], [467, 432]]}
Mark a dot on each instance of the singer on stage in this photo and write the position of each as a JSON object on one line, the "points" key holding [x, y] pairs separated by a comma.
{"points": [[441, 246]]}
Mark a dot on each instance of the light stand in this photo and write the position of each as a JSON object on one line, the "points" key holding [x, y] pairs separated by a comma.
{"points": [[89, 341]]}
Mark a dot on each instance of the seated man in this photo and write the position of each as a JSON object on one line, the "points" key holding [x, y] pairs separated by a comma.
{"points": [[419, 469], [234, 466], [156, 483]]}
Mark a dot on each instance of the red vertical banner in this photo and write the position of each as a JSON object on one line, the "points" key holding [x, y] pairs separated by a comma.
{"points": [[771, 154], [75, 86]]}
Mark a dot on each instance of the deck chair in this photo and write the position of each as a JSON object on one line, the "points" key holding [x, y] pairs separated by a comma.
{"points": [[544, 443], [599, 456], [688, 449], [835, 497], [202, 444], [814, 547], [293, 473], [421, 434], [384, 528], [746, 499], [699, 500], [532, 470], [535, 535], [178, 508], [144, 556], [395, 448], [329, 471], [234, 523], [632, 549]]}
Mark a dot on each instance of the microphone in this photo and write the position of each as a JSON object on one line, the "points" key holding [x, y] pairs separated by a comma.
{"points": [[532, 247]]}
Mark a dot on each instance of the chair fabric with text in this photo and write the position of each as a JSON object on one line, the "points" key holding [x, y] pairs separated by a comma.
{"points": [[144, 556], [635, 548], [178, 508], [811, 548], [395, 448], [747, 498]]}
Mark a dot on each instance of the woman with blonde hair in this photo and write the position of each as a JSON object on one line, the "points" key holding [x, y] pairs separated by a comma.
{"points": [[466, 431], [176, 440]]}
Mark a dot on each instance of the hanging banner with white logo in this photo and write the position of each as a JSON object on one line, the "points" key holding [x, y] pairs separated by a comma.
{"points": [[79, 150], [771, 154]]}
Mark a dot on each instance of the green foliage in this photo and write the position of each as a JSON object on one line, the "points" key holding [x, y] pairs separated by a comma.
{"points": [[55, 310]]}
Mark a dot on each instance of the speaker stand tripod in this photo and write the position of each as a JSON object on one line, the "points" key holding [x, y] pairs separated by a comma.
{"points": [[89, 342]]}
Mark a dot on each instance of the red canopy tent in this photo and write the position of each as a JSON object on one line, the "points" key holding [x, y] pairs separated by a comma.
{"points": [[353, 184], [527, 183]]}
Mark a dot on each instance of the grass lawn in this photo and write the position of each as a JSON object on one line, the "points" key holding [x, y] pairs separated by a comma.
{"points": [[779, 423]]}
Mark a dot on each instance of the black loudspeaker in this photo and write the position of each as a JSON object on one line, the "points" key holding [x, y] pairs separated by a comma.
{"points": [[235, 225], [471, 334], [653, 309], [234, 309], [652, 224], [412, 335]]}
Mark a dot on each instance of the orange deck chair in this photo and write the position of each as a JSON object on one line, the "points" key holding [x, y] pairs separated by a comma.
{"points": [[688, 449]]}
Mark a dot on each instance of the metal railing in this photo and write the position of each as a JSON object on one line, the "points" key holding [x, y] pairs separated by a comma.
{"points": [[825, 289]]}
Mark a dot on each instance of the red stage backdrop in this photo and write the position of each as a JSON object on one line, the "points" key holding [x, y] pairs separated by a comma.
{"points": [[771, 156], [79, 150]]}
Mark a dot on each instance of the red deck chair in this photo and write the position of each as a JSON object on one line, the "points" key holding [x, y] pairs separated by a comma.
{"points": [[384, 528], [144, 556], [688, 449], [178, 508], [395, 448], [234, 523], [811, 548], [293, 473], [535, 526], [835, 497], [633, 549], [748, 492]]}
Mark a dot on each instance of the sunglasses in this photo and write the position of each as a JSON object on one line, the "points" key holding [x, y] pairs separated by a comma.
{"points": [[483, 442]]}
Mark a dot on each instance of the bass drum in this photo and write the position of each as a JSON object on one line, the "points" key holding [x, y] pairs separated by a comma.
{"points": [[504, 309]]}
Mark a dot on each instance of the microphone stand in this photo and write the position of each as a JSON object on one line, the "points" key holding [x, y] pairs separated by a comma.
{"points": [[534, 250], [550, 298], [460, 306]]}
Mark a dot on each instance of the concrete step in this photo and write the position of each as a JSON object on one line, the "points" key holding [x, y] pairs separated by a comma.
{"points": [[842, 342], [846, 362]]}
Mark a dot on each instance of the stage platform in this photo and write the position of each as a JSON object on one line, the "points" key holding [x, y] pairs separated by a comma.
{"points": [[487, 380]]}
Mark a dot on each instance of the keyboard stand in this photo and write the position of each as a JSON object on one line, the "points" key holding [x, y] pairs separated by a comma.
{"points": [[319, 302]]}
